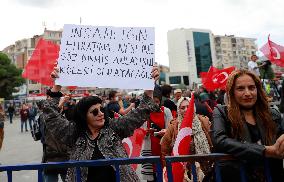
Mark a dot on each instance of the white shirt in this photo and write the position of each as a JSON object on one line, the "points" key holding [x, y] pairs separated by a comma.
{"points": [[252, 66]]}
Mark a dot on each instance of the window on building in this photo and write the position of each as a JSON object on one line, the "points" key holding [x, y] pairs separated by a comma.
{"points": [[217, 38], [185, 80], [202, 51], [175, 79], [162, 77]]}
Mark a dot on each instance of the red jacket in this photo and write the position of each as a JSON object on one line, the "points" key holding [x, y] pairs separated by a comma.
{"points": [[24, 114]]}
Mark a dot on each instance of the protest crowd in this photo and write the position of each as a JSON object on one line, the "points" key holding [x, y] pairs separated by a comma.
{"points": [[229, 113]]}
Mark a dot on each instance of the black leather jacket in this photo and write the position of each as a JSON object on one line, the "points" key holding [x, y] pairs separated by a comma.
{"points": [[247, 153]]}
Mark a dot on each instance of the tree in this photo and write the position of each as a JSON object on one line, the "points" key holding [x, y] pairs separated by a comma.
{"points": [[10, 77]]}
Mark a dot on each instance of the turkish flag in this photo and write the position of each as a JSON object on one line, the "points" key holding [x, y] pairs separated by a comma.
{"points": [[133, 144], [273, 52], [41, 63], [71, 88], [182, 143], [215, 78]]}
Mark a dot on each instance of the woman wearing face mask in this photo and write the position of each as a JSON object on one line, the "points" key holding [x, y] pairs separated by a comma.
{"points": [[200, 125], [113, 108], [250, 130], [93, 136]]}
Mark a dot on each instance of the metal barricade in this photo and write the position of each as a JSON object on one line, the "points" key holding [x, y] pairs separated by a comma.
{"points": [[77, 164], [126, 161]]}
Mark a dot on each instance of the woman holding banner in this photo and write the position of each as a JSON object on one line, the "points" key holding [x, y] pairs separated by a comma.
{"points": [[93, 136], [250, 130]]}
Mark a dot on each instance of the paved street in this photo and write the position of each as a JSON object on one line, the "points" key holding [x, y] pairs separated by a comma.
{"points": [[19, 148]]}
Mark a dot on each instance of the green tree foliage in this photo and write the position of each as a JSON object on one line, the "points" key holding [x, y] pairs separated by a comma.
{"points": [[10, 77]]}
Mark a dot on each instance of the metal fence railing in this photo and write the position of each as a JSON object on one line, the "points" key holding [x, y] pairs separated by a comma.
{"points": [[214, 157], [124, 161]]}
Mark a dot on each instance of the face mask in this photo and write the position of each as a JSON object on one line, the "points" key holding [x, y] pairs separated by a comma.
{"points": [[116, 98]]}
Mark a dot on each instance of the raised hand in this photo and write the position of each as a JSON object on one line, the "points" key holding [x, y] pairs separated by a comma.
{"points": [[55, 74], [155, 73], [63, 100]]}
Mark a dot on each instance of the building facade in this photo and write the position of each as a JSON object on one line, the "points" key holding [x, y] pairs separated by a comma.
{"points": [[190, 51], [234, 51], [22, 51], [164, 70]]}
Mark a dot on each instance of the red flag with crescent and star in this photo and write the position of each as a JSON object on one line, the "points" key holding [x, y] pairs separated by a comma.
{"points": [[41, 63], [273, 52], [133, 144], [182, 143], [215, 78]]}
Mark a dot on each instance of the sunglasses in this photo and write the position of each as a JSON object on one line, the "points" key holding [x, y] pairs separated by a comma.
{"points": [[95, 112]]}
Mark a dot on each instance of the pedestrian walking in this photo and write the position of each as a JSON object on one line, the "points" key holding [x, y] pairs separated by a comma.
{"points": [[2, 119], [24, 114], [32, 114], [11, 111]]}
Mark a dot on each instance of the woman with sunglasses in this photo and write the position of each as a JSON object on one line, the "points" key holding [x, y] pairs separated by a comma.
{"points": [[93, 136]]}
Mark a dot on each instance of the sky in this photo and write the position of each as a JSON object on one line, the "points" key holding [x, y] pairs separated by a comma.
{"points": [[243, 18]]}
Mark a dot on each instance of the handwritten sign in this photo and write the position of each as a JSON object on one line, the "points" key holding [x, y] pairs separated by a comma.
{"points": [[108, 57]]}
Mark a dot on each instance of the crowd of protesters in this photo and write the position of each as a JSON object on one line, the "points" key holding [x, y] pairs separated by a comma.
{"points": [[237, 121]]}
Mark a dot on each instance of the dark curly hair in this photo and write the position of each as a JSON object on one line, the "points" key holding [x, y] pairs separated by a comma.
{"points": [[81, 109]]}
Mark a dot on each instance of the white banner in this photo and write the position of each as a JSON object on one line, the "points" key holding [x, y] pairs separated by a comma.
{"points": [[107, 57]]}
